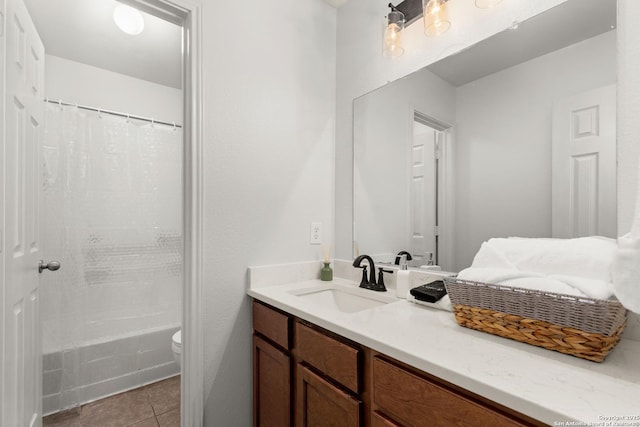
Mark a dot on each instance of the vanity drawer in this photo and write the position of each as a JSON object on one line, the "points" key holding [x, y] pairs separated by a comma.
{"points": [[334, 358], [378, 420], [272, 324], [411, 400]]}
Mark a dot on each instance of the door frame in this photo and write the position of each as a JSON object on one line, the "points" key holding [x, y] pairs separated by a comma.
{"points": [[192, 379], [188, 14], [446, 185], [2, 201]]}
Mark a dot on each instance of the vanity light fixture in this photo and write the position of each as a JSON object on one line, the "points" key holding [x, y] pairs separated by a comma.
{"points": [[435, 14], [393, 33], [128, 19], [436, 17]]}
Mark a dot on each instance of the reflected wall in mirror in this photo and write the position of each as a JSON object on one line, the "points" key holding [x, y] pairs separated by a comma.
{"points": [[512, 137]]}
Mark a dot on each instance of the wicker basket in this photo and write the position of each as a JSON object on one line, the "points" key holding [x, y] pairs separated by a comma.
{"points": [[583, 327]]}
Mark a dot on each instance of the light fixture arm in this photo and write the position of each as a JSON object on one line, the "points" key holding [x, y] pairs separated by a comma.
{"points": [[395, 16], [412, 10]]}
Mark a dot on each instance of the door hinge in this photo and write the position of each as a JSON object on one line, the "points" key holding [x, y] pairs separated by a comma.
{"points": [[436, 150], [436, 230]]}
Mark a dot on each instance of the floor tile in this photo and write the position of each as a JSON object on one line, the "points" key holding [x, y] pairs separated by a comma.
{"points": [[117, 411], [164, 396], [148, 406], [149, 422], [63, 419], [170, 419]]}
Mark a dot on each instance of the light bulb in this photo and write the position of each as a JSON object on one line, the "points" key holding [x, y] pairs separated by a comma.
{"points": [[128, 19], [393, 34], [436, 20]]}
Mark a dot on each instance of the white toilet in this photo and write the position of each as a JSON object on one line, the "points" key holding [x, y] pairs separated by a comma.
{"points": [[176, 346]]}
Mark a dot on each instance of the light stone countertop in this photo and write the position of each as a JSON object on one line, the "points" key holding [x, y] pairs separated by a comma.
{"points": [[543, 384]]}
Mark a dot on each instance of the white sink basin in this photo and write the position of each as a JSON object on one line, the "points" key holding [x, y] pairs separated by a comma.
{"points": [[344, 299]]}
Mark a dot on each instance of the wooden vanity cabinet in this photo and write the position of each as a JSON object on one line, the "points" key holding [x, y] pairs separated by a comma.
{"points": [[271, 385], [334, 357], [272, 364], [302, 374], [379, 420], [305, 376], [328, 378], [405, 396], [321, 403]]}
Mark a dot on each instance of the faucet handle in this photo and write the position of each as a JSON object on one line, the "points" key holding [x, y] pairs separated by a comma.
{"points": [[364, 280], [381, 276], [430, 256]]}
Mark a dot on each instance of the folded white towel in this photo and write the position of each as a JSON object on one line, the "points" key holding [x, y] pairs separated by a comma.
{"points": [[491, 255], [587, 257], [443, 303], [521, 279], [626, 272], [494, 275], [581, 266], [593, 288]]}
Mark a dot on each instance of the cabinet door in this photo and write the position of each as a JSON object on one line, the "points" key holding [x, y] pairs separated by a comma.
{"points": [[411, 400], [271, 385], [321, 404], [378, 420]]}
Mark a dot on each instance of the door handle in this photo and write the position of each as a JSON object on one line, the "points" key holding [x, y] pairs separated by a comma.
{"points": [[51, 265]]}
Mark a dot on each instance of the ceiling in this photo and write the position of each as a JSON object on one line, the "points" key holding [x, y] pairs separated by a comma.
{"points": [[542, 34], [84, 31]]}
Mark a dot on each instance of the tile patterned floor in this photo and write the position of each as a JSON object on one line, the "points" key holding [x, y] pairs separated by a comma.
{"points": [[154, 405]]}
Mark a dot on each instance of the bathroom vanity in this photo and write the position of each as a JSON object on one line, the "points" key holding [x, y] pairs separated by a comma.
{"points": [[394, 363], [306, 375]]}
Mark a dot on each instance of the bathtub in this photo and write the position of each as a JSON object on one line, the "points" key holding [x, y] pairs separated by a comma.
{"points": [[72, 377]]}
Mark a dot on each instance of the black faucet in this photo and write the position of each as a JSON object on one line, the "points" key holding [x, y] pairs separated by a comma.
{"points": [[368, 282], [399, 257]]}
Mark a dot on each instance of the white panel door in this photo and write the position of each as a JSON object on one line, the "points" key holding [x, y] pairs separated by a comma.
{"points": [[24, 115], [423, 191], [584, 165]]}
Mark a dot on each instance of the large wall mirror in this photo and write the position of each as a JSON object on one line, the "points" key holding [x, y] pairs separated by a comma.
{"points": [[514, 136]]}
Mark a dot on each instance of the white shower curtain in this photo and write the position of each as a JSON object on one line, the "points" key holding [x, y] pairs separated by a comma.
{"points": [[112, 200]]}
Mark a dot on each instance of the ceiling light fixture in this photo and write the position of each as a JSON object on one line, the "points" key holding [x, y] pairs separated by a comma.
{"points": [[128, 19], [393, 33], [436, 17], [436, 20], [435, 14]]}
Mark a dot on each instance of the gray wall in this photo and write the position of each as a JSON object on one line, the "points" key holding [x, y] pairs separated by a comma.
{"points": [[269, 111], [503, 142]]}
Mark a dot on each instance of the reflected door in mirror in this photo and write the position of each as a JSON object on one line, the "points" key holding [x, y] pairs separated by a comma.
{"points": [[424, 201], [584, 164]]}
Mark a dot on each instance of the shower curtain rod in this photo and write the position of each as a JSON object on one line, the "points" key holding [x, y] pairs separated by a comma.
{"points": [[113, 113]]}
